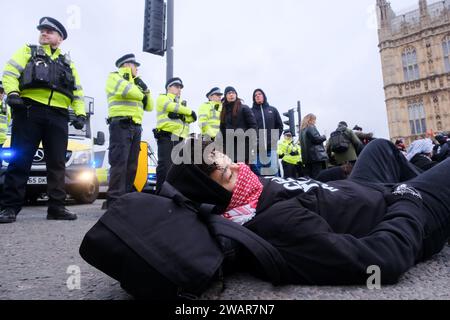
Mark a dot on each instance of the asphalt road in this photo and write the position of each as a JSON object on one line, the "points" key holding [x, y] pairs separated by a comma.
{"points": [[37, 257]]}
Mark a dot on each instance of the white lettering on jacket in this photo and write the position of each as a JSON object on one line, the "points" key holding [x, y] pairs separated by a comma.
{"points": [[301, 184]]}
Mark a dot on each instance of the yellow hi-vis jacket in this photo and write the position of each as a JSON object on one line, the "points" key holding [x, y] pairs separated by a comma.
{"points": [[5, 118], [125, 98], [209, 118], [13, 71], [169, 103], [286, 147]]}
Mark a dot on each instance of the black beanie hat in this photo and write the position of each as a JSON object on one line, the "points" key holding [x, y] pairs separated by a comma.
{"points": [[229, 89], [195, 185]]}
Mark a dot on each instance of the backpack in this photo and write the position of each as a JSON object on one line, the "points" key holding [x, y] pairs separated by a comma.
{"points": [[339, 141], [166, 247]]}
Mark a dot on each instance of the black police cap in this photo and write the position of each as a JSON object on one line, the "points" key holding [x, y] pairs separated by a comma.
{"points": [[128, 58], [53, 24], [214, 90], [174, 81]]}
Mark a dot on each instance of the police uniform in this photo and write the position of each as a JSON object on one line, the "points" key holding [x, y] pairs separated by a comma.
{"points": [[173, 119], [128, 97], [209, 115], [290, 153], [41, 84], [5, 117]]}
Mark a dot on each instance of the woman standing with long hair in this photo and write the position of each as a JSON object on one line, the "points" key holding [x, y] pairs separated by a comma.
{"points": [[313, 152], [234, 116]]}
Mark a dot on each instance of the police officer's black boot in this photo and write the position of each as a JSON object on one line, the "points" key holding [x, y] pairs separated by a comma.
{"points": [[8, 215], [60, 213]]}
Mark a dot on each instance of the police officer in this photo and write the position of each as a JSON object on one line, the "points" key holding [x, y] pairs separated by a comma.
{"points": [[5, 117], [209, 114], [41, 84], [128, 97], [172, 126], [290, 153]]}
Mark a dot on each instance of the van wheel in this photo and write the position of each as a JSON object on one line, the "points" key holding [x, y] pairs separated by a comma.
{"points": [[88, 194]]}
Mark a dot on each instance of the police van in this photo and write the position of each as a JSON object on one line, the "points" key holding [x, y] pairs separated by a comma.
{"points": [[81, 182]]}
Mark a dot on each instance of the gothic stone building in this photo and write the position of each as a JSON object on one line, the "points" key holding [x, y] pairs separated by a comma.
{"points": [[415, 56]]}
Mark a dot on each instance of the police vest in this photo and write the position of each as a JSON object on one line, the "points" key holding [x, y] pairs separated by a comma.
{"points": [[166, 104], [209, 118], [286, 148], [43, 72], [3, 121]]}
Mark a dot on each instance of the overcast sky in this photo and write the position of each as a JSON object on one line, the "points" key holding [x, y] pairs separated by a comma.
{"points": [[323, 53]]}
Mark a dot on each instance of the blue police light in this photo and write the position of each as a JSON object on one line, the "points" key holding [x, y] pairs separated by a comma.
{"points": [[7, 154]]}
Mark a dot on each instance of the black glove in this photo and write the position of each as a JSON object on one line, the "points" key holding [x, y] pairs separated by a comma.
{"points": [[174, 116], [79, 122], [145, 100], [294, 153], [404, 192], [194, 115], [15, 101], [141, 84], [280, 156], [184, 103]]}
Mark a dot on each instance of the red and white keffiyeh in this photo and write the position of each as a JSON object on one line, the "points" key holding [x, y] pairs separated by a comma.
{"points": [[246, 193]]}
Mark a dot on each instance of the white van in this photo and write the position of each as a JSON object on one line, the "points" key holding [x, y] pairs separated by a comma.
{"points": [[81, 181]]}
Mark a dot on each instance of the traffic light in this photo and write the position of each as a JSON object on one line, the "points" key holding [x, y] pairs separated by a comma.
{"points": [[291, 122], [155, 27]]}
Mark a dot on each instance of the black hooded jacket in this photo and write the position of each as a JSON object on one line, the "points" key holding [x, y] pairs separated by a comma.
{"points": [[328, 234], [267, 117]]}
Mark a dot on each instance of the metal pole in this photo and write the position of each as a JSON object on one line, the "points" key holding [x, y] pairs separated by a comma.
{"points": [[299, 110], [170, 38]]}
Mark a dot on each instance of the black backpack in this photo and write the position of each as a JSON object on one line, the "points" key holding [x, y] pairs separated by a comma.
{"points": [[339, 141], [166, 247]]}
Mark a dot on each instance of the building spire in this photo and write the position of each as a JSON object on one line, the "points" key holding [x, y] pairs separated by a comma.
{"points": [[423, 6], [384, 13]]}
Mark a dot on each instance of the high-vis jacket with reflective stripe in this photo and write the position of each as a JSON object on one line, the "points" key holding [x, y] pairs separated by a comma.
{"points": [[125, 99], [286, 147], [5, 118], [13, 71], [209, 118], [169, 103]]}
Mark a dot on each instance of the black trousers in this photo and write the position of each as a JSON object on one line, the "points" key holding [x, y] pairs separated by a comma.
{"points": [[289, 170], [124, 148], [382, 162], [31, 125], [1, 160], [165, 147], [313, 169]]}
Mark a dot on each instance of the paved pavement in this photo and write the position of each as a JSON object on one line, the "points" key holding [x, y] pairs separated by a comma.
{"points": [[36, 256]]}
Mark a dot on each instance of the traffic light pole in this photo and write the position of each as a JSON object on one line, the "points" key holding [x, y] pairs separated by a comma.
{"points": [[299, 110], [170, 38]]}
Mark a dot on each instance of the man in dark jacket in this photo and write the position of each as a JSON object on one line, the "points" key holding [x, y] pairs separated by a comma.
{"points": [[442, 150], [350, 154], [270, 127], [385, 216]]}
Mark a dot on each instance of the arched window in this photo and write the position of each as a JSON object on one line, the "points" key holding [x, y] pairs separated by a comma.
{"points": [[410, 66], [446, 48], [417, 119]]}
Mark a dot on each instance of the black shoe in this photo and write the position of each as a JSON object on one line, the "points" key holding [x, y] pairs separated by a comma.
{"points": [[8, 215], [60, 213]]}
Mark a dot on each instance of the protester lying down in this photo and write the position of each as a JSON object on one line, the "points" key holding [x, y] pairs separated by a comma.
{"points": [[386, 215]]}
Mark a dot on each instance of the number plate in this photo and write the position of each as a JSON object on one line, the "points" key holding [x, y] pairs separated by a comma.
{"points": [[37, 180]]}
